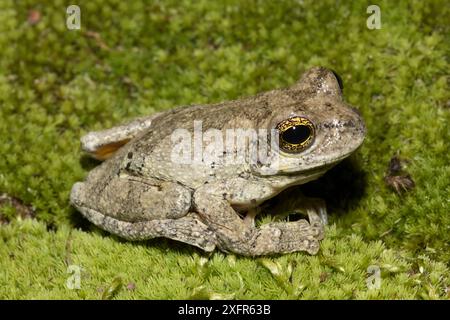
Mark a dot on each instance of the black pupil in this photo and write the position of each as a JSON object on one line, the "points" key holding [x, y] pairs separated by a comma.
{"points": [[296, 134]]}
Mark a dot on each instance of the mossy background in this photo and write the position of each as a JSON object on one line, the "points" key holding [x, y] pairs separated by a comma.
{"points": [[136, 57]]}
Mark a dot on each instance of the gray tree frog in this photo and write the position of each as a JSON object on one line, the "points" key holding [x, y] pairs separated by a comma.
{"points": [[141, 191]]}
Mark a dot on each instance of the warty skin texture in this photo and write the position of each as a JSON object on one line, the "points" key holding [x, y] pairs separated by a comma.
{"points": [[139, 192]]}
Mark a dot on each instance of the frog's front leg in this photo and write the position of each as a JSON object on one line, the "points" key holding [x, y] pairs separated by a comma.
{"points": [[101, 145], [233, 234], [315, 208]]}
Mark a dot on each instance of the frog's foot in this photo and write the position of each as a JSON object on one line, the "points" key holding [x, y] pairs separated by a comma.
{"points": [[284, 237], [187, 229], [249, 218], [101, 145], [316, 210], [233, 234], [132, 199], [316, 207]]}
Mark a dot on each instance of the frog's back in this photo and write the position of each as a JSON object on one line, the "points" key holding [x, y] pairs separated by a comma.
{"points": [[153, 153]]}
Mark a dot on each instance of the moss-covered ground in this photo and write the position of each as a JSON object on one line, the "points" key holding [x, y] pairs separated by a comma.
{"points": [[133, 58]]}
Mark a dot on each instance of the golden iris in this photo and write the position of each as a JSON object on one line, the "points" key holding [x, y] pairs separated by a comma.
{"points": [[295, 134]]}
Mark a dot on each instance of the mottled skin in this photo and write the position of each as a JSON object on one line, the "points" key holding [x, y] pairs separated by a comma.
{"points": [[139, 193]]}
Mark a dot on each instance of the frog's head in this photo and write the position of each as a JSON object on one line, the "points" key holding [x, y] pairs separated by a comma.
{"points": [[316, 131]]}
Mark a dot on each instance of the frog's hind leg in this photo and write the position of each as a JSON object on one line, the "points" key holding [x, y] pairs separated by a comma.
{"points": [[103, 144], [138, 209], [187, 229]]}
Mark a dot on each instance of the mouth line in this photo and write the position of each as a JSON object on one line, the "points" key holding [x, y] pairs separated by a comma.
{"points": [[324, 166], [309, 171]]}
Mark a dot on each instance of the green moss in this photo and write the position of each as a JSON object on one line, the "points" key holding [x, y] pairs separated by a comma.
{"points": [[35, 265], [136, 58]]}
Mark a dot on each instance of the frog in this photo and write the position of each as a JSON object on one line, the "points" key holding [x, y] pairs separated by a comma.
{"points": [[140, 191]]}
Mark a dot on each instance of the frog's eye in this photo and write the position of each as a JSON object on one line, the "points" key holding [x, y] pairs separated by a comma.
{"points": [[295, 134]]}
